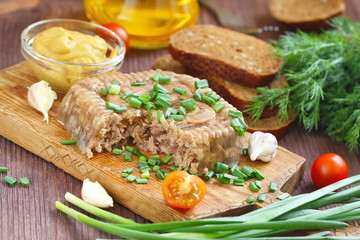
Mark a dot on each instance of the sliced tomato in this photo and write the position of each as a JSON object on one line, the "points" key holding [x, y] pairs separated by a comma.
{"points": [[182, 190], [327, 169], [120, 31]]}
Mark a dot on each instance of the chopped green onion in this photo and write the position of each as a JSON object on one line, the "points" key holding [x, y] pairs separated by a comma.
{"points": [[153, 161], [208, 99], [209, 175], [160, 174], [248, 171], [283, 196], [24, 182], [221, 167], [163, 79], [114, 89], [155, 156], [124, 175], [159, 89], [128, 170], [128, 157], [258, 184], [229, 176], [10, 180], [145, 174], [189, 104], [215, 97], [156, 168], [162, 102], [136, 84], [208, 92], [149, 106], [177, 117], [182, 110], [261, 197], [170, 111], [239, 182], [117, 151], [220, 177], [141, 164], [218, 107], [142, 158], [135, 102], [166, 159], [68, 141], [253, 187], [131, 178], [144, 98], [250, 199], [174, 168], [141, 180], [235, 113], [159, 114], [145, 168], [233, 168], [258, 174], [163, 95], [3, 169], [245, 151], [203, 83], [114, 82], [129, 149], [197, 95], [137, 152], [180, 90], [126, 95], [273, 187], [115, 108], [239, 125], [239, 174], [186, 169], [152, 94], [156, 77], [104, 91]]}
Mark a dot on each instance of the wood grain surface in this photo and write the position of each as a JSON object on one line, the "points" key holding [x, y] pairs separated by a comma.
{"points": [[29, 213]]}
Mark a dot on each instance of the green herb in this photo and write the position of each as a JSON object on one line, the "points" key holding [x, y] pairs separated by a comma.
{"points": [[248, 171], [114, 107], [131, 178], [128, 157], [114, 89], [174, 168], [323, 75], [10, 180], [221, 167], [239, 125], [159, 115], [128, 170], [258, 174], [144, 98], [239, 182], [136, 103], [24, 181], [197, 95], [235, 114], [145, 174], [129, 149], [208, 99], [273, 187], [124, 175], [239, 174], [142, 158], [189, 104], [153, 161], [156, 168], [186, 169], [166, 159], [253, 187], [245, 151], [258, 184], [159, 89], [169, 112], [162, 102], [222, 179], [180, 90], [177, 117], [261, 197], [141, 180], [126, 95], [137, 152], [156, 77], [68, 141], [218, 107], [163, 80], [145, 168], [117, 151], [283, 196], [209, 175], [215, 97], [250, 199], [182, 110], [104, 91], [3, 169], [138, 84], [201, 83], [160, 174]]}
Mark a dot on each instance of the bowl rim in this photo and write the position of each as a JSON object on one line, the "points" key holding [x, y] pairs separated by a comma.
{"points": [[31, 51]]}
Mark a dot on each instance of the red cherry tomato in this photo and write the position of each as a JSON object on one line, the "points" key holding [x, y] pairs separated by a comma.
{"points": [[182, 190], [327, 169], [120, 31]]}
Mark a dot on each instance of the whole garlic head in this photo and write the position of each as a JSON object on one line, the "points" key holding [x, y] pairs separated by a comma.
{"points": [[41, 97], [262, 146], [95, 194]]}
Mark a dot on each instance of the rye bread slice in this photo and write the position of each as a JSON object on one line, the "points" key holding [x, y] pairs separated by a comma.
{"points": [[228, 54], [238, 95], [306, 14]]}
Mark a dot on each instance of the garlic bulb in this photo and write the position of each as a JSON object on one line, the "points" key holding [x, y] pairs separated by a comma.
{"points": [[262, 146], [95, 194], [41, 97]]}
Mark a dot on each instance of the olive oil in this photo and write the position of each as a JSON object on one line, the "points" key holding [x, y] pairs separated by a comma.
{"points": [[149, 23]]}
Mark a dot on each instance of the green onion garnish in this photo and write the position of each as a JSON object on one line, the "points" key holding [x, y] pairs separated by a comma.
{"points": [[68, 141], [258, 184], [24, 182], [161, 102], [144, 98], [250, 199], [152, 161], [221, 167], [261, 197], [136, 103], [239, 174], [159, 114], [104, 91], [163, 79], [3, 169], [130, 178], [220, 177], [180, 90], [209, 175], [156, 168], [129, 149], [215, 97], [141, 164], [197, 95], [145, 174], [182, 110], [229, 176], [218, 107], [144, 168], [114, 107], [128, 170], [114, 89], [208, 99], [248, 171], [245, 151], [156, 77], [189, 104], [149, 106], [239, 125], [124, 175], [126, 95], [177, 117], [10, 180], [141, 180], [117, 151], [136, 84], [203, 83], [239, 182], [235, 113], [283, 196], [166, 159], [142, 159], [273, 187], [160, 174], [128, 157], [155, 157], [258, 174], [170, 111], [186, 169], [233, 168], [174, 168], [159, 89], [137, 152]]}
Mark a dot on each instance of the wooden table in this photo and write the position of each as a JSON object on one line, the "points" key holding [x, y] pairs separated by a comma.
{"points": [[29, 213]]}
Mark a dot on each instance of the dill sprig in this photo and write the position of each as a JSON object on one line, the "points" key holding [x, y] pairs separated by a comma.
{"points": [[324, 77]]}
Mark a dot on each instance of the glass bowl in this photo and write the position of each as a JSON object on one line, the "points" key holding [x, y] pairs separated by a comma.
{"points": [[62, 75]]}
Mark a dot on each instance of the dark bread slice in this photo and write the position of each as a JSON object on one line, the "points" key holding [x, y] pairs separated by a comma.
{"points": [[239, 96], [306, 14], [225, 53]]}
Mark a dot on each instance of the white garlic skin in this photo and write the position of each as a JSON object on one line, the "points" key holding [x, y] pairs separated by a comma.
{"points": [[41, 97], [262, 146], [96, 195]]}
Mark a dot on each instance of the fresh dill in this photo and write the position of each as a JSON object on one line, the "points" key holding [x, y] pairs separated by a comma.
{"points": [[323, 73]]}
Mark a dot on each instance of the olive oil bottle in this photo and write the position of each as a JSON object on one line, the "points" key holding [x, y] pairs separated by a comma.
{"points": [[149, 23]]}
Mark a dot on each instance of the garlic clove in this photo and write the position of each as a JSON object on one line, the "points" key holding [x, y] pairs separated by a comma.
{"points": [[262, 146], [41, 97], [96, 195]]}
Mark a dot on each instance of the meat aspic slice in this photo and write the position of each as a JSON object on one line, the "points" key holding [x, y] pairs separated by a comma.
{"points": [[201, 139]]}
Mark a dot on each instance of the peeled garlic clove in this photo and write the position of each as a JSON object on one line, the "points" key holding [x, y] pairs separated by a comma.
{"points": [[262, 146], [95, 194], [41, 97]]}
